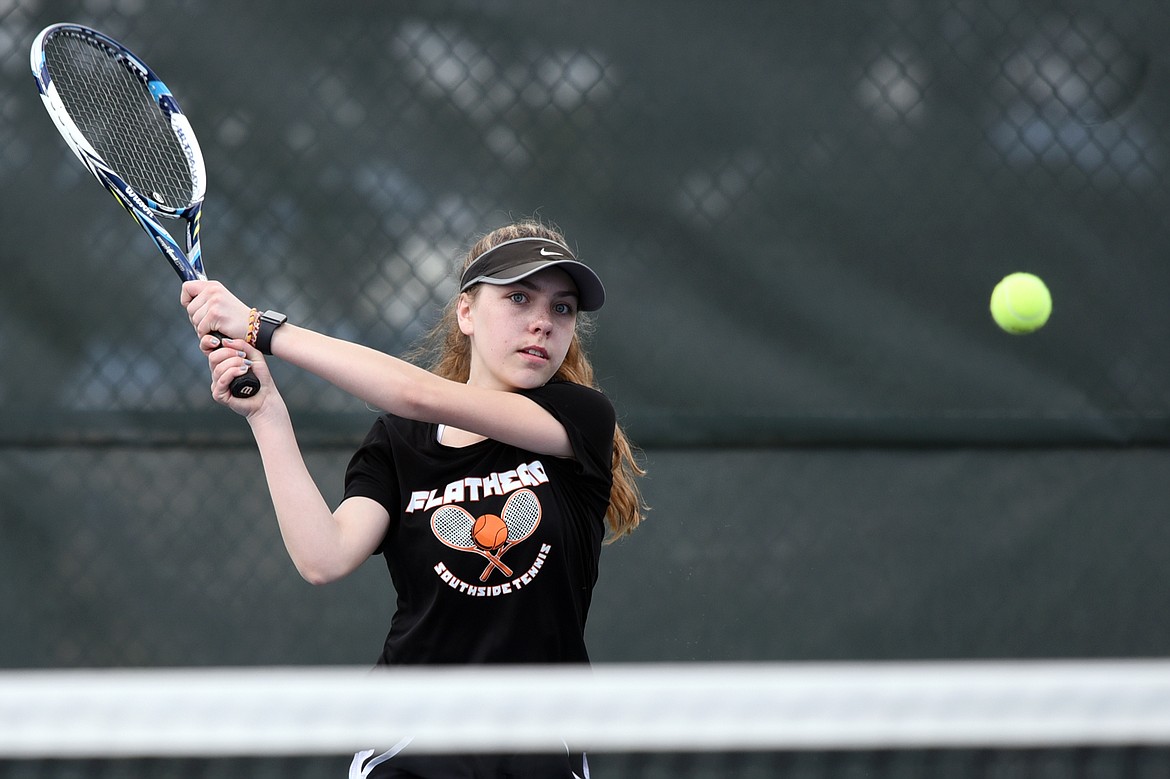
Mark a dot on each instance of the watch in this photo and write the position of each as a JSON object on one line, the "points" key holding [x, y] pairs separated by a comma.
{"points": [[269, 321]]}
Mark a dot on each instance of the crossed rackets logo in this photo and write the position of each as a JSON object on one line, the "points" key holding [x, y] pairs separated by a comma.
{"points": [[489, 535]]}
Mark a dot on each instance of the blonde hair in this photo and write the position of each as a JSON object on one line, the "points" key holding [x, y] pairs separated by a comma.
{"points": [[447, 352]]}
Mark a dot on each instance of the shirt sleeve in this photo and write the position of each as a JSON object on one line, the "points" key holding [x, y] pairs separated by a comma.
{"points": [[370, 473], [589, 419]]}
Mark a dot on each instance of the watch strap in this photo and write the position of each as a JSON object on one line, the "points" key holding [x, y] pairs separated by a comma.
{"points": [[269, 321]]}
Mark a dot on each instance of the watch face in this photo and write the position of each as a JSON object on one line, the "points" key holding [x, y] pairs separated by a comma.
{"points": [[275, 317]]}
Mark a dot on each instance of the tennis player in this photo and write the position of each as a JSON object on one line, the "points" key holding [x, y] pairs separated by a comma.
{"points": [[488, 485]]}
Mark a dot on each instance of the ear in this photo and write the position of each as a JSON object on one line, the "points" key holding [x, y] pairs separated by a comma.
{"points": [[463, 314]]}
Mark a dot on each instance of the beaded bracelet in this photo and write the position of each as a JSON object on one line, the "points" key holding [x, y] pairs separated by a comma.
{"points": [[253, 327]]}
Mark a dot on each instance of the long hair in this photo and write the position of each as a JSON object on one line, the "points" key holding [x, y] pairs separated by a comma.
{"points": [[446, 351]]}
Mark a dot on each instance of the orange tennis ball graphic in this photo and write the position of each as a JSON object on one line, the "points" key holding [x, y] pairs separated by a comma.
{"points": [[490, 532]]}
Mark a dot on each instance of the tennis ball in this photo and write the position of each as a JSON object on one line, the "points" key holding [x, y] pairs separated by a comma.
{"points": [[490, 532], [1021, 303]]}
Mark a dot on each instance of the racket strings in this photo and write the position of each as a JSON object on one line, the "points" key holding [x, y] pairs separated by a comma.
{"points": [[119, 117], [455, 527], [521, 514]]}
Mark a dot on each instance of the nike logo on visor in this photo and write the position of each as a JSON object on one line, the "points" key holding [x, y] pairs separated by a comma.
{"points": [[549, 253]]}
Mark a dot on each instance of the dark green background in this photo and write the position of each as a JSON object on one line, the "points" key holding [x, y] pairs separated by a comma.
{"points": [[799, 210]]}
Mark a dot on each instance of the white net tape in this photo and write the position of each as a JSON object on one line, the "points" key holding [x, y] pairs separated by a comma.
{"points": [[304, 711]]}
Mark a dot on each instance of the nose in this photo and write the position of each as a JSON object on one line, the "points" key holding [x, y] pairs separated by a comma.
{"points": [[541, 323]]}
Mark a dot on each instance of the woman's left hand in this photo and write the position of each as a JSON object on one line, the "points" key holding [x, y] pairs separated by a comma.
{"points": [[212, 308]]}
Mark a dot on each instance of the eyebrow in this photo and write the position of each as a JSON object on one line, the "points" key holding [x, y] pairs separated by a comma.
{"points": [[563, 292]]}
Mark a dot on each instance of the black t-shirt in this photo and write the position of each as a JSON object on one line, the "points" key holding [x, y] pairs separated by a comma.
{"points": [[493, 550]]}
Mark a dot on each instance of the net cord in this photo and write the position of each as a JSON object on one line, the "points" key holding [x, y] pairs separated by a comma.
{"points": [[610, 708]]}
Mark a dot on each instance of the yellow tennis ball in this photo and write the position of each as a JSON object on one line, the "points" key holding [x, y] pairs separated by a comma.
{"points": [[1021, 303]]}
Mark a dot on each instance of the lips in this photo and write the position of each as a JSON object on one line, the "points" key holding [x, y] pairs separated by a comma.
{"points": [[535, 351]]}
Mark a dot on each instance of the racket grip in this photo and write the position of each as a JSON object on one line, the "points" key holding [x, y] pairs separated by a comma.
{"points": [[244, 386]]}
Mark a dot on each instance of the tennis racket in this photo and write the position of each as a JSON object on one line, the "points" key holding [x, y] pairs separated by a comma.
{"points": [[521, 515], [127, 129], [456, 528]]}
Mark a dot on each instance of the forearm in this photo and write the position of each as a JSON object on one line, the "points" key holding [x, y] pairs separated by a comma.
{"points": [[313, 537], [406, 390], [380, 380], [384, 382]]}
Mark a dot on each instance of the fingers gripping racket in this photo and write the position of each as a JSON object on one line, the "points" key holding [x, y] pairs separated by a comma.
{"points": [[127, 129]]}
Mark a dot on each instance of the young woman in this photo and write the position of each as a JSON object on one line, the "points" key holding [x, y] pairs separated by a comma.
{"points": [[489, 484]]}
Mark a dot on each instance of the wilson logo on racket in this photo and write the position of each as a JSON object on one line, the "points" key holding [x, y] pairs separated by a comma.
{"points": [[488, 535]]}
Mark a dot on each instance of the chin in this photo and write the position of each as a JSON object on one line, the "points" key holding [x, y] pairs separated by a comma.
{"points": [[531, 380]]}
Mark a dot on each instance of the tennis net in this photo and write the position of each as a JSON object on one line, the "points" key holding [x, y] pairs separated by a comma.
{"points": [[970, 719]]}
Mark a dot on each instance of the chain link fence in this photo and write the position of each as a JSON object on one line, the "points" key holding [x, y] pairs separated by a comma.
{"points": [[799, 211]]}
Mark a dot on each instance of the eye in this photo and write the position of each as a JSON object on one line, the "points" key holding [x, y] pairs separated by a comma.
{"points": [[565, 309], [518, 297]]}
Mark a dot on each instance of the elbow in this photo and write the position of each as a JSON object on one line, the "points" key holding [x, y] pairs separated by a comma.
{"points": [[315, 579], [318, 575]]}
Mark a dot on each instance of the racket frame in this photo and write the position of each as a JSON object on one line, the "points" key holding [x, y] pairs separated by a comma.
{"points": [[145, 211]]}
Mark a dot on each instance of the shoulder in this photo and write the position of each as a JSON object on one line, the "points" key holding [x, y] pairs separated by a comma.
{"points": [[389, 429], [574, 399], [587, 416]]}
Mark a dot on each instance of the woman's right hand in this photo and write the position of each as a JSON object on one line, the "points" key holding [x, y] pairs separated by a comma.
{"points": [[230, 358]]}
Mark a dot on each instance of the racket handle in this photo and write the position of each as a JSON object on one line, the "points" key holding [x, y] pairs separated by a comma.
{"points": [[244, 386]]}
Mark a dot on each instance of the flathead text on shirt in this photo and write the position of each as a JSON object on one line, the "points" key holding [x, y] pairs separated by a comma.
{"points": [[474, 488]]}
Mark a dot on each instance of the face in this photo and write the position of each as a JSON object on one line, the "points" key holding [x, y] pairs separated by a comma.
{"points": [[519, 332]]}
